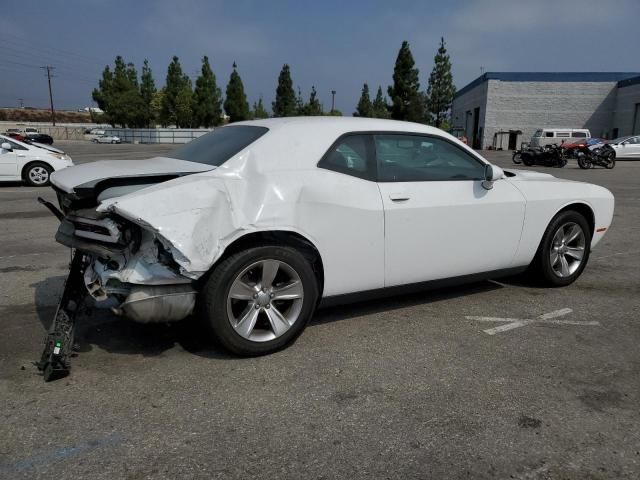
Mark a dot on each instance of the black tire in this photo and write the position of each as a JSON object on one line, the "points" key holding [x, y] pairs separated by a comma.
{"points": [[583, 162], [29, 174], [113, 142], [213, 299], [609, 160], [541, 266], [516, 157]]}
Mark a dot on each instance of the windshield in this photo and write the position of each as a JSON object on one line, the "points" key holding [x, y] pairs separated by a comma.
{"points": [[537, 134], [218, 146]]}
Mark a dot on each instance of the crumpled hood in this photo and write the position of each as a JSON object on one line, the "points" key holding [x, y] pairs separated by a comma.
{"points": [[89, 174]]}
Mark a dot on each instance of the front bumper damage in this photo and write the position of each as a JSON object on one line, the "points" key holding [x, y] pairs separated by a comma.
{"points": [[119, 265]]}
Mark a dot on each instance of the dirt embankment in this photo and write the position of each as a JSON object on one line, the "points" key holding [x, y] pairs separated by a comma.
{"points": [[28, 115]]}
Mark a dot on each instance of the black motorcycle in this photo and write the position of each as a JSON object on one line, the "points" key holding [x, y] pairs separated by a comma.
{"points": [[547, 156], [604, 156]]}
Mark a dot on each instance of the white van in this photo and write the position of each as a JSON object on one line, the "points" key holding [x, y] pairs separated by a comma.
{"points": [[548, 136]]}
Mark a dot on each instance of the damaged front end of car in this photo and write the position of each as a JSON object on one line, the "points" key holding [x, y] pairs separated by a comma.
{"points": [[119, 264]]}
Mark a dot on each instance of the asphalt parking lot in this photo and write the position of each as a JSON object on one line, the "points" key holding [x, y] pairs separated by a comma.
{"points": [[408, 387]]}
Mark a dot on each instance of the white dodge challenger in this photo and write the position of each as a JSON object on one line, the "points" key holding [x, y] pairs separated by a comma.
{"points": [[256, 223]]}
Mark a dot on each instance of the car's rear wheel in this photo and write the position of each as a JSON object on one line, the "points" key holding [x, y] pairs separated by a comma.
{"points": [[259, 300], [564, 250], [38, 174]]}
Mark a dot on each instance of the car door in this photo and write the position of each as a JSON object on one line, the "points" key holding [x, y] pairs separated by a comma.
{"points": [[440, 222], [631, 148], [8, 162]]}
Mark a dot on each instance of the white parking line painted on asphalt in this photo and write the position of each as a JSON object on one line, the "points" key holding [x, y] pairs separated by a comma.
{"points": [[548, 318]]}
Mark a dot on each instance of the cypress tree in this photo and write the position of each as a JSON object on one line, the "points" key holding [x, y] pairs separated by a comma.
{"points": [[300, 106], [406, 103], [440, 90], [184, 104], [364, 108], [174, 85], [236, 104], [379, 107], [313, 108], [207, 98], [285, 103], [259, 110], [147, 92]]}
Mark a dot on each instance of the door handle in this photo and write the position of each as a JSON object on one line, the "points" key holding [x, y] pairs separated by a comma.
{"points": [[21, 155], [399, 197]]}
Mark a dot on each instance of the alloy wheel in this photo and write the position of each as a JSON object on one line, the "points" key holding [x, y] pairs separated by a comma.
{"points": [[567, 249], [38, 175], [265, 300]]}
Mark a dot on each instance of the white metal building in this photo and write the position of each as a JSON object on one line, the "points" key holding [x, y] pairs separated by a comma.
{"points": [[503, 109]]}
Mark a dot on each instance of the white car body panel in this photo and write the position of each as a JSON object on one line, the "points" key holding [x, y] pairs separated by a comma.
{"points": [[12, 162], [629, 149], [446, 229]]}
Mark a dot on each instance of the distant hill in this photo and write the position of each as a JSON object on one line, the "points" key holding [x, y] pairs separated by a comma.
{"points": [[29, 115]]}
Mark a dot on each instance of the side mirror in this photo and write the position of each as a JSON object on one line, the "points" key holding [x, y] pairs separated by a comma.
{"points": [[491, 174], [6, 146]]}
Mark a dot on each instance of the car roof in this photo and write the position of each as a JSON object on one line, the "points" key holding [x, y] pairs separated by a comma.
{"points": [[307, 139], [344, 124]]}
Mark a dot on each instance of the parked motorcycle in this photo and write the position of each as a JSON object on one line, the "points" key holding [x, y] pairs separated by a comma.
{"points": [[601, 155], [547, 156]]}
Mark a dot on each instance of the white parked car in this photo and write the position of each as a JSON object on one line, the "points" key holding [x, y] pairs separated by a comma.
{"points": [[30, 163], [106, 139], [260, 221], [627, 147]]}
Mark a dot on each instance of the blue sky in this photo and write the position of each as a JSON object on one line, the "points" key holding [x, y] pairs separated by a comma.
{"points": [[330, 44]]}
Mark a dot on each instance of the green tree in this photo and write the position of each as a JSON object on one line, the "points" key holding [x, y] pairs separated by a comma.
{"points": [[156, 106], [184, 105], [118, 95], [364, 108], [147, 93], [300, 106], [259, 110], [440, 90], [174, 85], [285, 103], [207, 104], [102, 94], [235, 103], [379, 107], [313, 108], [406, 102]]}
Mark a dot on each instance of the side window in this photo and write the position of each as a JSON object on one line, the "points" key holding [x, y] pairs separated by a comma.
{"points": [[634, 140], [579, 134], [413, 158], [548, 134], [563, 134], [351, 155]]}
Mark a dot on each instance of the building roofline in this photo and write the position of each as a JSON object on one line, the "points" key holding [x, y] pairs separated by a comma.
{"points": [[619, 77], [629, 81]]}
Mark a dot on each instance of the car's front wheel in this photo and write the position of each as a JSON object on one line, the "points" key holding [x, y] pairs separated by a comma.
{"points": [[38, 174], [564, 250], [259, 300]]}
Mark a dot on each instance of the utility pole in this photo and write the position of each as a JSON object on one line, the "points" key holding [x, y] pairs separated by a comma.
{"points": [[53, 112], [333, 100]]}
